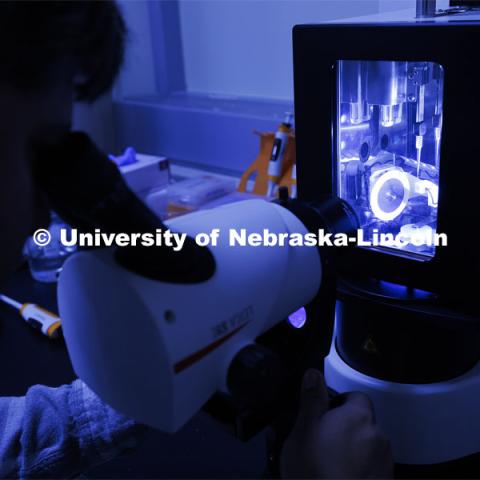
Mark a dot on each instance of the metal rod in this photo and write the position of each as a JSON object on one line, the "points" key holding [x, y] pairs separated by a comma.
{"points": [[426, 8], [10, 301]]}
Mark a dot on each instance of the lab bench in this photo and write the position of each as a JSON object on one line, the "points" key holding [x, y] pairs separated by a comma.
{"points": [[201, 449]]}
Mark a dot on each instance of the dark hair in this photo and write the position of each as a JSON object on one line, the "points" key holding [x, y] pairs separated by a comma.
{"points": [[37, 36]]}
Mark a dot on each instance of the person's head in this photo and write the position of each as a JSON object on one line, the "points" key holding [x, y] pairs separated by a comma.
{"points": [[52, 53]]}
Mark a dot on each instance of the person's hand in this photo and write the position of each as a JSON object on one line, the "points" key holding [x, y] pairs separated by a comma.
{"points": [[339, 442]]}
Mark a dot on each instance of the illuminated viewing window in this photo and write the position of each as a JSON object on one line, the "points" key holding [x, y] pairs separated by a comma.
{"points": [[389, 125]]}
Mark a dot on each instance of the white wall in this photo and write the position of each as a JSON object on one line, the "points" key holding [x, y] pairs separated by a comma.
{"points": [[136, 77], [243, 47], [138, 72], [390, 5]]}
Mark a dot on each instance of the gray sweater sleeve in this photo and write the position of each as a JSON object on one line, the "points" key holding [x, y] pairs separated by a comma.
{"points": [[60, 432]]}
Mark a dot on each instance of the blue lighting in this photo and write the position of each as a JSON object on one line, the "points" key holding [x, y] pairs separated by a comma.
{"points": [[389, 125], [298, 318], [396, 290]]}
